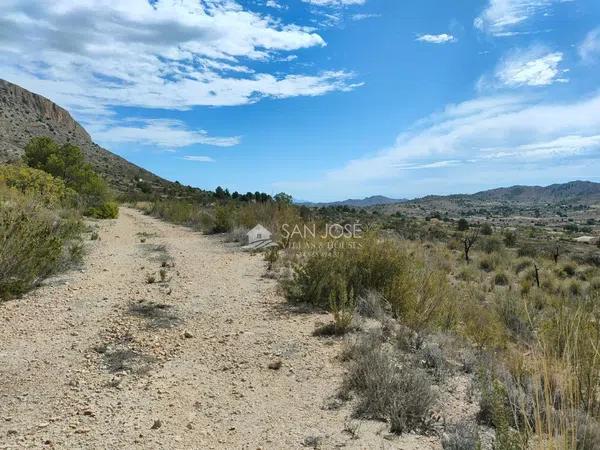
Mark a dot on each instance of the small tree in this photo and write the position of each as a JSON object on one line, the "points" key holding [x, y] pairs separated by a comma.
{"points": [[462, 225], [283, 198], [67, 163], [469, 240]]}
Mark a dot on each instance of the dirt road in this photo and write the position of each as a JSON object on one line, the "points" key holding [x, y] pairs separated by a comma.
{"points": [[105, 358]]}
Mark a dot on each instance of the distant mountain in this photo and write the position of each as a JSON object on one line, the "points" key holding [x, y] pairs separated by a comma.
{"points": [[24, 115], [375, 200], [575, 192]]}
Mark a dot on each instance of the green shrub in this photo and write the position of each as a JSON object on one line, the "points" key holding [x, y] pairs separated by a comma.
{"points": [[462, 225], [486, 229], [369, 266], [510, 238], [35, 242], [32, 182], [416, 291], [487, 264], [67, 163], [501, 279], [223, 219], [568, 270], [183, 213], [107, 210]]}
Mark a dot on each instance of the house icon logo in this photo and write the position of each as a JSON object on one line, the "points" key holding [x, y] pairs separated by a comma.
{"points": [[258, 238]]}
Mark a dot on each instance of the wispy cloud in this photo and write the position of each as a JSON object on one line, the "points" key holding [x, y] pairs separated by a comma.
{"points": [[436, 38], [335, 2], [275, 4], [359, 17], [531, 67], [500, 17], [589, 49], [501, 130], [431, 165], [203, 159], [164, 133]]}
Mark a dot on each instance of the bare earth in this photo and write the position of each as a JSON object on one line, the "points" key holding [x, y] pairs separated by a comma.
{"points": [[100, 358]]}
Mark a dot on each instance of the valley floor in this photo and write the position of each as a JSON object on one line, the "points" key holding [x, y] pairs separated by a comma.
{"points": [[102, 358]]}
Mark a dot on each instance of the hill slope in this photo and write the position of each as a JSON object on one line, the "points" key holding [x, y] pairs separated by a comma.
{"points": [[581, 191], [375, 200], [24, 115]]}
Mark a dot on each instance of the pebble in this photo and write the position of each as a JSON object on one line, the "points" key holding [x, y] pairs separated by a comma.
{"points": [[275, 364]]}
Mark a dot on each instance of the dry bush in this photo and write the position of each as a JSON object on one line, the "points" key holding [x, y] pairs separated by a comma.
{"points": [[512, 311], [387, 390], [467, 273], [501, 279], [238, 234], [462, 436], [372, 305], [415, 288], [523, 263], [183, 213], [491, 244], [35, 242], [488, 263]]}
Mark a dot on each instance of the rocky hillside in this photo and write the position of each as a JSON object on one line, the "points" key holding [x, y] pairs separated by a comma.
{"points": [[580, 191], [24, 115]]}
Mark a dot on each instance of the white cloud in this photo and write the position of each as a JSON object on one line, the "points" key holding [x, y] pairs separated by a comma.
{"points": [[274, 4], [198, 158], [92, 55], [436, 38], [359, 17], [501, 16], [432, 165], [506, 131], [533, 67], [589, 49], [335, 2], [163, 133]]}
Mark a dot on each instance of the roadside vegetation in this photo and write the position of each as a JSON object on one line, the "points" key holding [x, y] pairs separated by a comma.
{"points": [[222, 212], [41, 208], [425, 302], [522, 322]]}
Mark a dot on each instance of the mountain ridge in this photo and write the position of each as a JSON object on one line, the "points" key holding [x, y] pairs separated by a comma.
{"points": [[577, 190], [25, 114], [374, 200]]}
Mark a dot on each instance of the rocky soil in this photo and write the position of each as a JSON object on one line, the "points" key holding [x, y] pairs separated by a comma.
{"points": [[208, 355], [24, 115]]}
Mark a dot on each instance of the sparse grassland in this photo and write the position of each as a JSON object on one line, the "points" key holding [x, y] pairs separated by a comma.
{"points": [[518, 301], [517, 306]]}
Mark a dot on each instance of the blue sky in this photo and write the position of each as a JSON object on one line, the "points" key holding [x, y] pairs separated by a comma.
{"points": [[324, 99]]}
